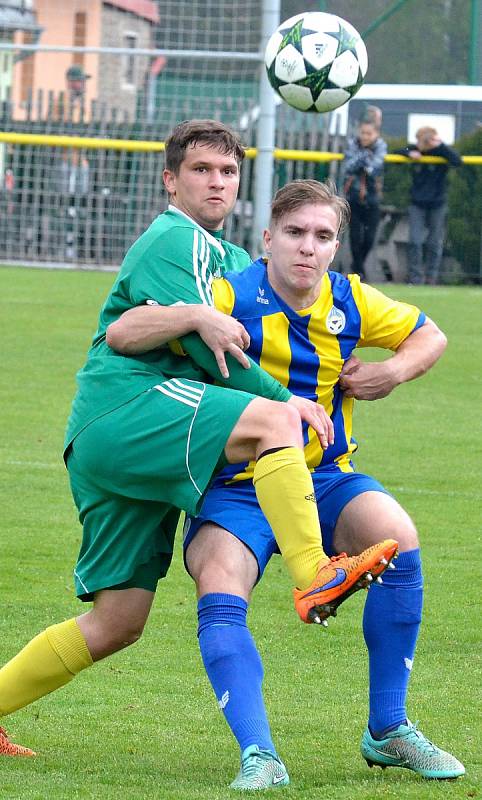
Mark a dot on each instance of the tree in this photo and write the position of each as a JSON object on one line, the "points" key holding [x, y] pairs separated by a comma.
{"points": [[419, 43], [465, 211]]}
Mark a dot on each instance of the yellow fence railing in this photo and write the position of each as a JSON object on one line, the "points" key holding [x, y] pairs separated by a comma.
{"points": [[132, 145]]}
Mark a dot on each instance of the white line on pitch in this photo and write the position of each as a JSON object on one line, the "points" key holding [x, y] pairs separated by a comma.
{"points": [[436, 492]]}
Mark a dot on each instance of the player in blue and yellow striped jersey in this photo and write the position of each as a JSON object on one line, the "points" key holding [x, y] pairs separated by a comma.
{"points": [[304, 323], [305, 349]]}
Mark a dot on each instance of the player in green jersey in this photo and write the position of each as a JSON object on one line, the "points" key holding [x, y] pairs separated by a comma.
{"points": [[147, 433]]}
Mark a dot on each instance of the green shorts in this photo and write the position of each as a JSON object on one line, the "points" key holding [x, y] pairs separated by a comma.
{"points": [[133, 470]]}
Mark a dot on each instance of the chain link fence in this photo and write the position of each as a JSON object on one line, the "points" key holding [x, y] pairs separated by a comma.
{"points": [[132, 69]]}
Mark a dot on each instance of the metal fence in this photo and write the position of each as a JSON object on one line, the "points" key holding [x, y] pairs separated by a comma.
{"points": [[85, 205], [131, 71]]}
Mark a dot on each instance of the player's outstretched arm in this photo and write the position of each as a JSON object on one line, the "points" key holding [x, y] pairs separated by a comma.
{"points": [[258, 382], [254, 380], [148, 327], [413, 358]]}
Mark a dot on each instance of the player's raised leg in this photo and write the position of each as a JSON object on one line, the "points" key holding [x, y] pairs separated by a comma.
{"points": [[285, 492], [342, 576]]}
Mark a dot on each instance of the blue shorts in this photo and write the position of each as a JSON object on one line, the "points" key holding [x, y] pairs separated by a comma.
{"points": [[236, 509]]}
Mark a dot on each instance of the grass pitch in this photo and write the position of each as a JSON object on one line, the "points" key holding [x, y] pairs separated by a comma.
{"points": [[144, 724]]}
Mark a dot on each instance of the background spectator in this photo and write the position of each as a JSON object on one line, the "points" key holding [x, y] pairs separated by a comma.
{"points": [[362, 182], [75, 78], [428, 208], [70, 186]]}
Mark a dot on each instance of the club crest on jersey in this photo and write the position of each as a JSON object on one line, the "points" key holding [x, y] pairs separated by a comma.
{"points": [[335, 321]]}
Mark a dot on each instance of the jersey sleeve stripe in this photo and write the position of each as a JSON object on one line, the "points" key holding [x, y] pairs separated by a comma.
{"points": [[198, 253], [205, 274]]}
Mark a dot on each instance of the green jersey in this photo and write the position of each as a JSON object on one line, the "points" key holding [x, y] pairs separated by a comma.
{"points": [[173, 263]]}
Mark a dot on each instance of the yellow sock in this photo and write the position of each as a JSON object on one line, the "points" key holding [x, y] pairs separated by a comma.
{"points": [[285, 492], [49, 661]]}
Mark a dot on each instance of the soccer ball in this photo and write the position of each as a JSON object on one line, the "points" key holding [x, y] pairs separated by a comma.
{"points": [[316, 61]]}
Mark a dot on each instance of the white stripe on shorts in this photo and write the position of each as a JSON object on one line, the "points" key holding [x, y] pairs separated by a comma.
{"points": [[184, 389], [189, 386], [84, 587], [177, 394]]}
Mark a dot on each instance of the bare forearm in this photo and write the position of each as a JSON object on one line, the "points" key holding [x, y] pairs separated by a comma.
{"points": [[418, 353], [146, 327], [374, 380]]}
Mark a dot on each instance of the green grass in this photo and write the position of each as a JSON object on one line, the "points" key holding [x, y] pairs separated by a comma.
{"points": [[144, 723]]}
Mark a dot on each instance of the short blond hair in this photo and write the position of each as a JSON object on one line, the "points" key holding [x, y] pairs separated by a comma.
{"points": [[306, 192], [426, 133]]}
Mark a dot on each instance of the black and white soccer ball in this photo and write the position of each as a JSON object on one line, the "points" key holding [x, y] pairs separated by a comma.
{"points": [[316, 61]]}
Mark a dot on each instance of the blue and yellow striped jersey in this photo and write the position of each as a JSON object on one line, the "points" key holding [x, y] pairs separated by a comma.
{"points": [[305, 350]]}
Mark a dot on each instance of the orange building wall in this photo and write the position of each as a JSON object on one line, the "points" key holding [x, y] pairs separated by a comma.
{"points": [[56, 17]]}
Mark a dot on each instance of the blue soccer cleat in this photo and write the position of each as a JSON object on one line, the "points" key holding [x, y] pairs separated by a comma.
{"points": [[407, 747], [260, 769]]}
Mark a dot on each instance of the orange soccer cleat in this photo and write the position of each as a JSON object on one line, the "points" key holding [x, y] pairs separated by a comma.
{"points": [[8, 748], [340, 577]]}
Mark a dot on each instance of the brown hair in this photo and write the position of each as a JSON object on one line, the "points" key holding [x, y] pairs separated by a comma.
{"points": [[205, 131], [303, 192]]}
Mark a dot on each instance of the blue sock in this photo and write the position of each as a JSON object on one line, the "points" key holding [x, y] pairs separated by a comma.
{"points": [[234, 668], [391, 621]]}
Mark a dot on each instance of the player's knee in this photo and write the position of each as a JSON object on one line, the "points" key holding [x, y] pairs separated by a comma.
{"points": [[396, 523], [122, 634], [405, 532], [289, 415], [129, 635], [282, 419], [226, 576], [217, 573], [408, 539]]}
